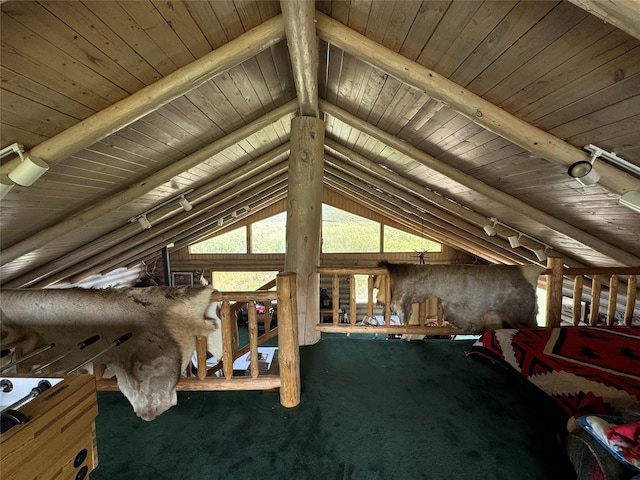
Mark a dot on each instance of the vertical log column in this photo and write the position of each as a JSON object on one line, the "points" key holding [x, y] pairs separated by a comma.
{"points": [[288, 351], [304, 219], [554, 292]]}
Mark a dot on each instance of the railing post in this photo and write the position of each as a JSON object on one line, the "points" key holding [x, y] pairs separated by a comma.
{"points": [[227, 341], [577, 299], [288, 346], [632, 283], [613, 300], [596, 288], [201, 356], [352, 299], [554, 292]]}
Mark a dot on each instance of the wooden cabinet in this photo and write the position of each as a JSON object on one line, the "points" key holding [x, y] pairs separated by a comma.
{"points": [[59, 440]]}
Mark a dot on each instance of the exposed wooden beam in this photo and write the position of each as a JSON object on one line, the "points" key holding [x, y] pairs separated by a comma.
{"points": [[490, 192], [133, 192], [449, 210], [207, 221], [437, 228], [623, 14], [466, 103], [150, 98], [80, 259], [300, 28]]}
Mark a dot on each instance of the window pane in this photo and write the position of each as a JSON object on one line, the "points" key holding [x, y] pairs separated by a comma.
{"points": [[240, 281], [234, 241], [269, 235], [343, 232], [398, 241]]}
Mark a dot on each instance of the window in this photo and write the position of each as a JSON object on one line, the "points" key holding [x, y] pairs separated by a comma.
{"points": [[269, 235], [398, 241], [343, 232], [234, 241], [240, 281]]}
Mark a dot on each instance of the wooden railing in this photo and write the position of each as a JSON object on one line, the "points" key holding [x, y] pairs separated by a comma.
{"points": [[555, 279], [288, 379], [572, 283]]}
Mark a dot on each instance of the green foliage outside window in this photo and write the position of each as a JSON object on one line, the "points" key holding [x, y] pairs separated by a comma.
{"points": [[268, 235], [342, 232], [234, 241]]}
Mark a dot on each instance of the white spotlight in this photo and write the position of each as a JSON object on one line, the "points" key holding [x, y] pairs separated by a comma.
{"points": [[489, 228], [221, 222], [514, 241], [584, 172], [184, 203], [144, 222], [28, 171], [541, 253], [631, 200]]}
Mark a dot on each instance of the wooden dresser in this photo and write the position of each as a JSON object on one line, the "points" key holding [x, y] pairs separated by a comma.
{"points": [[59, 440]]}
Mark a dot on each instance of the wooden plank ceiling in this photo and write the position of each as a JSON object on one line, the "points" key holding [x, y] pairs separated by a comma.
{"points": [[441, 113]]}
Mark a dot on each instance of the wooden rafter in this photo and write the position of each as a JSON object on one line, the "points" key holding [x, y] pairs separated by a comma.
{"points": [[466, 103]]}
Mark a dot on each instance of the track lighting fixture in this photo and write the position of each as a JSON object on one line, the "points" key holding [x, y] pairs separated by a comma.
{"points": [[541, 253], [184, 203], [489, 228], [221, 222], [144, 222], [540, 250], [514, 240], [584, 172], [25, 173]]}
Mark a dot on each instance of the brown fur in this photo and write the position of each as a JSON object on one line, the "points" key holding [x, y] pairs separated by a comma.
{"points": [[475, 298], [163, 320]]}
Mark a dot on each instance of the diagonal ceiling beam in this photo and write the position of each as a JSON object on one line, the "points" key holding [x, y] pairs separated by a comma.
{"points": [[84, 256], [623, 14], [132, 193], [466, 103], [451, 211], [171, 232], [300, 28], [152, 97], [393, 207], [473, 183]]}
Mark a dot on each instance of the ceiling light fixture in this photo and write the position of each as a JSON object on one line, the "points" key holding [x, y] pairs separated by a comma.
{"points": [[489, 228], [184, 203], [631, 200], [584, 172], [541, 253], [144, 222], [25, 174], [514, 240], [28, 171], [540, 249], [613, 158]]}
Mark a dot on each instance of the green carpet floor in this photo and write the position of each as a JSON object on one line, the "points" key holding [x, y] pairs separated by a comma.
{"points": [[370, 409]]}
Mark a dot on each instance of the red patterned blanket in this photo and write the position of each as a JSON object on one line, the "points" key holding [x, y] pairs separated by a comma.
{"points": [[585, 370]]}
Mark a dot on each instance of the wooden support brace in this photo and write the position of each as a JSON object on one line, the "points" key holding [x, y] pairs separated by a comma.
{"points": [[613, 300], [632, 286], [578, 282], [595, 300]]}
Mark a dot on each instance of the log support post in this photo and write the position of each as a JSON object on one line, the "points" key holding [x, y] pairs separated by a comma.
{"points": [[288, 347], [554, 292], [304, 219]]}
